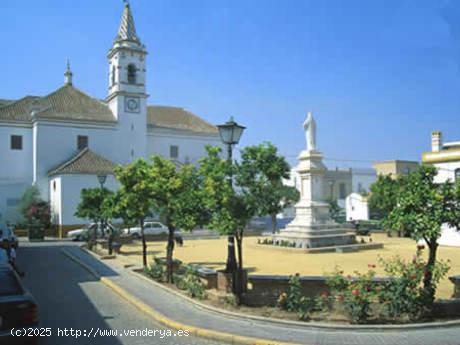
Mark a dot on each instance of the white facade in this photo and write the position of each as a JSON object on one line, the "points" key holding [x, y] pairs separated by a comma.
{"points": [[446, 158], [40, 134], [338, 184], [65, 195], [356, 207], [190, 146]]}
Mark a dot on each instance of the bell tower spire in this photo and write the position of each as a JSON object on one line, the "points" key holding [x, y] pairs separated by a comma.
{"points": [[127, 29], [127, 58], [127, 97]]}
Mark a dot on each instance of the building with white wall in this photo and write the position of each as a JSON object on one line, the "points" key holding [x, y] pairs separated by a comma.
{"points": [[338, 184], [63, 140], [446, 158], [356, 207]]}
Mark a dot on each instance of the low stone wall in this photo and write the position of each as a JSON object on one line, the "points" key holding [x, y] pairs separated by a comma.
{"points": [[264, 290], [208, 277], [456, 281], [447, 308]]}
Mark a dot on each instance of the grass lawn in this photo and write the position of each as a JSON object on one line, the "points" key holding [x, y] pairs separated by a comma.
{"points": [[261, 259]]}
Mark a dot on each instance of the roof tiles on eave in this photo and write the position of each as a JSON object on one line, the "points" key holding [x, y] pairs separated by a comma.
{"points": [[84, 162], [178, 118], [66, 103]]}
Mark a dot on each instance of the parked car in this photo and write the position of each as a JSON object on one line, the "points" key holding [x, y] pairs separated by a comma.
{"points": [[150, 228], [8, 233], [83, 233], [18, 309]]}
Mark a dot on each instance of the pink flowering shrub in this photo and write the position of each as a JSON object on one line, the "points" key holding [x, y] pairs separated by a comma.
{"points": [[39, 214]]}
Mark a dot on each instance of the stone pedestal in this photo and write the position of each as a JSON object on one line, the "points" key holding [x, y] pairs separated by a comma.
{"points": [[313, 226]]}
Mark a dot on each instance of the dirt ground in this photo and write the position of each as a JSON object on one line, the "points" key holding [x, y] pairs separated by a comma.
{"points": [[264, 259]]}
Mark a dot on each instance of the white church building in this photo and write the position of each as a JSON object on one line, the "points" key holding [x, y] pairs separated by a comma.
{"points": [[62, 141]]}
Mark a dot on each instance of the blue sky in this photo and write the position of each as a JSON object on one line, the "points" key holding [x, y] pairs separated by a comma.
{"points": [[378, 75]]}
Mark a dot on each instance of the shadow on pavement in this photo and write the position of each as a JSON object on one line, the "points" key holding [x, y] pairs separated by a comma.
{"points": [[61, 287]]}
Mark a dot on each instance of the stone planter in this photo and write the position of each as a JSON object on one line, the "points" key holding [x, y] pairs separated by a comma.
{"points": [[456, 281], [36, 233], [162, 261], [116, 247], [207, 276], [225, 281]]}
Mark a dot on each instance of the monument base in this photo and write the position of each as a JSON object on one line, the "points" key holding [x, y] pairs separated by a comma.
{"points": [[315, 236]]}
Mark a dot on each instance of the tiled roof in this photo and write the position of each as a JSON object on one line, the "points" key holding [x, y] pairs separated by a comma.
{"points": [[69, 103], [178, 118], [18, 110], [4, 102], [85, 162], [66, 103]]}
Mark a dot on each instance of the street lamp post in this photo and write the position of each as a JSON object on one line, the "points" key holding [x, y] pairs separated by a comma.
{"points": [[230, 134], [101, 178]]}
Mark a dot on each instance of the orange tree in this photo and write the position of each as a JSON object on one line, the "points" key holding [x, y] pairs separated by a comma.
{"points": [[422, 207], [177, 198], [227, 210], [90, 207], [135, 196]]}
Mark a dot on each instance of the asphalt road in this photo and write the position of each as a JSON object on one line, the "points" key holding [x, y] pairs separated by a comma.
{"points": [[69, 298]]}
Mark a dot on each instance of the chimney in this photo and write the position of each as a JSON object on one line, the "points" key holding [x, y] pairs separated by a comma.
{"points": [[436, 141]]}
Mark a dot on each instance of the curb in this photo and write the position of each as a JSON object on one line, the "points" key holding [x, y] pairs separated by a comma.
{"points": [[197, 331], [200, 332], [81, 263]]}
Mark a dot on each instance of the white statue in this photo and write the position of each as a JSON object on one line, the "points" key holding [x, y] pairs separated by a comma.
{"points": [[309, 126]]}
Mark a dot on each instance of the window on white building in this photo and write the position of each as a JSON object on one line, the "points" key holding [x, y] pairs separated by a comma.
{"points": [[131, 74], [174, 151], [457, 174], [113, 75], [82, 142], [16, 142]]}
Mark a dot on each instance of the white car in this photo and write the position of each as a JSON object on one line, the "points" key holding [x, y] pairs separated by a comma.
{"points": [[150, 228], [85, 232]]}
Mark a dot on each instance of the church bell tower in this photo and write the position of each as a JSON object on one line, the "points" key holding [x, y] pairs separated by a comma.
{"points": [[127, 96]]}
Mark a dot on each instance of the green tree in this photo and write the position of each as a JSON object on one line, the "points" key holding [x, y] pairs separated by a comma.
{"points": [[112, 208], [335, 210], [177, 195], [90, 207], [384, 194], [135, 196], [422, 207], [30, 196], [227, 211], [261, 173]]}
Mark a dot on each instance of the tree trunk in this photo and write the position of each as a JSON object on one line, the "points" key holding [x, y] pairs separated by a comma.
{"points": [[428, 274], [169, 253], [274, 223], [144, 244], [110, 239], [94, 237]]}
